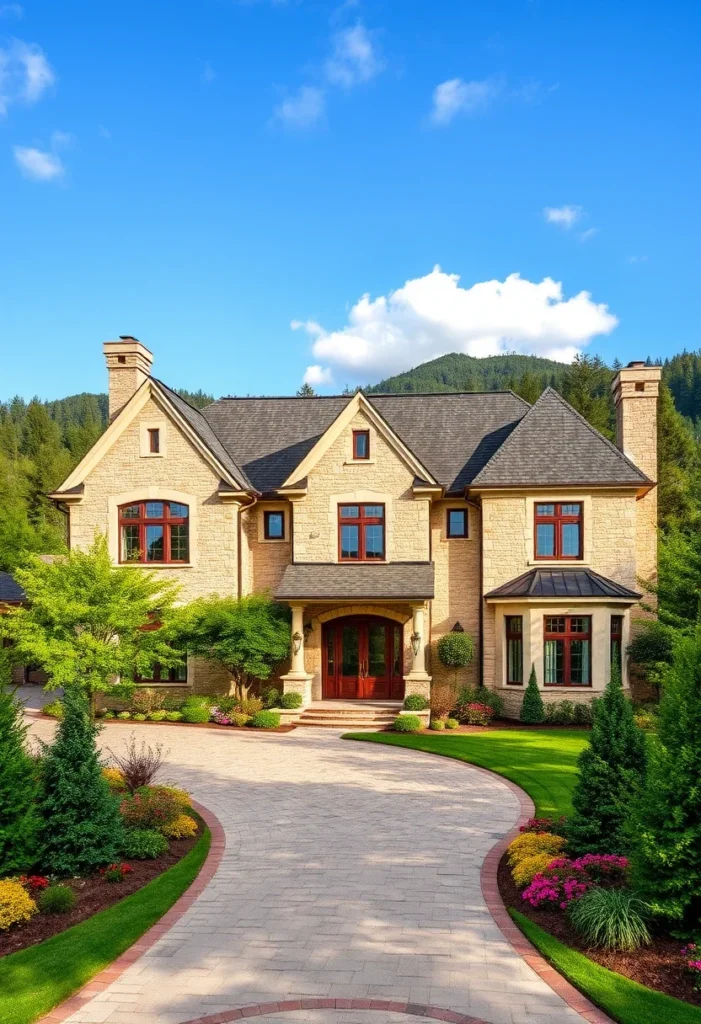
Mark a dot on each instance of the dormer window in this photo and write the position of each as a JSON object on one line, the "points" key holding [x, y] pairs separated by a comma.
{"points": [[558, 530], [361, 444]]}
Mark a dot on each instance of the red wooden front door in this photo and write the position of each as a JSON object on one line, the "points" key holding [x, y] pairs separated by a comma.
{"points": [[362, 659]]}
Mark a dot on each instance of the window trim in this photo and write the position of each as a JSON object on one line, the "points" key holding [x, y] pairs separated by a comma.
{"points": [[616, 638], [558, 520], [448, 532], [142, 521], [356, 435], [267, 513], [567, 637], [360, 522], [512, 634]]}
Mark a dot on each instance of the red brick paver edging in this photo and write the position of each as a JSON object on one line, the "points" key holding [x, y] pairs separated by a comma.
{"points": [[411, 1009], [512, 933], [114, 970]]}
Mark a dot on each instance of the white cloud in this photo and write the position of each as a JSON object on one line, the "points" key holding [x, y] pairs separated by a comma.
{"points": [[303, 109], [317, 376], [37, 164], [564, 216], [25, 74], [354, 59], [458, 97], [432, 315], [584, 236], [11, 11]]}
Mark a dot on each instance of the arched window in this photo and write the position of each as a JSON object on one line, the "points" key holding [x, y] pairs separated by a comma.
{"points": [[154, 531]]}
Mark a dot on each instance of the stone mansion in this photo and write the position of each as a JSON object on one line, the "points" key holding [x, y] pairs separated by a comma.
{"points": [[385, 521]]}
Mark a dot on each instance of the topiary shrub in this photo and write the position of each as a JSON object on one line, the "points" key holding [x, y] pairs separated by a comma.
{"points": [[415, 702], [611, 919], [174, 716], [143, 844], [407, 723], [195, 714], [239, 718], [532, 710], [456, 651], [290, 701], [184, 827], [451, 723], [437, 724], [57, 899], [16, 905], [265, 720], [54, 708]]}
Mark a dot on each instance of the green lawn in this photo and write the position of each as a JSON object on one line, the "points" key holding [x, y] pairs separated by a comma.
{"points": [[621, 998], [35, 980], [543, 762]]}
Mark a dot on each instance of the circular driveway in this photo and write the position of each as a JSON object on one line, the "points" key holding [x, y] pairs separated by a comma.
{"points": [[351, 871]]}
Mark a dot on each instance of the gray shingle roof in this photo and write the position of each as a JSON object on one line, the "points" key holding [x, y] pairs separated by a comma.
{"points": [[393, 580], [569, 583], [554, 445], [10, 589], [452, 435]]}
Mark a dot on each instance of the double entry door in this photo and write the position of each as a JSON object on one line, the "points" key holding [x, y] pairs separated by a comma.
{"points": [[362, 659]]}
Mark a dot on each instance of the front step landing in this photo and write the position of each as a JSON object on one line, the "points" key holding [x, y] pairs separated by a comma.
{"points": [[327, 714]]}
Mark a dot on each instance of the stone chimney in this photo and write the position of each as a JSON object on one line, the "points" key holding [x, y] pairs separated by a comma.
{"points": [[128, 366], [635, 391]]}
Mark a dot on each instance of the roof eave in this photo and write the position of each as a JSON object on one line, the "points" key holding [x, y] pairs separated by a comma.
{"points": [[563, 599]]}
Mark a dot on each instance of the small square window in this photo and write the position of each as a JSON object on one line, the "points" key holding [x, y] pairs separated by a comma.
{"points": [[154, 441], [361, 444], [274, 525], [457, 522], [640, 385]]}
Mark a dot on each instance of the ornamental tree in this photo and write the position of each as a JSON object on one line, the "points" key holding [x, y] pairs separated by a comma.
{"points": [[667, 819], [455, 650], [91, 623], [249, 636], [18, 784], [611, 771], [532, 710]]}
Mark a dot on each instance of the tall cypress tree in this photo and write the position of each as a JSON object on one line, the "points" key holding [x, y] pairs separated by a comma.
{"points": [[81, 826], [611, 770], [18, 786]]}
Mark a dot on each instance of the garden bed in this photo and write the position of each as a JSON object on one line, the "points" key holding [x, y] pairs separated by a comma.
{"points": [[95, 894], [658, 966], [190, 725]]}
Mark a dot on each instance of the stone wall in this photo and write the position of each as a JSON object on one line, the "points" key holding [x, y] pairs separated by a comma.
{"points": [[264, 560]]}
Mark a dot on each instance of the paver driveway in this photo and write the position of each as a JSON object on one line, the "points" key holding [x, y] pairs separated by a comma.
{"points": [[350, 871]]}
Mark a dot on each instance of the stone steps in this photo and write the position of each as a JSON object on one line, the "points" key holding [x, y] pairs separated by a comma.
{"points": [[378, 716]]}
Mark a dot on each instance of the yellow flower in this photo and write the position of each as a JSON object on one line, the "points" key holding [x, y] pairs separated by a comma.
{"points": [[182, 828]]}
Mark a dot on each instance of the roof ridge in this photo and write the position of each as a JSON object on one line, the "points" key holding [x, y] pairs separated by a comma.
{"points": [[367, 394]]}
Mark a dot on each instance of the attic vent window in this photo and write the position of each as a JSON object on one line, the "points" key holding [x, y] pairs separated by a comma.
{"points": [[154, 441], [640, 385], [361, 444], [121, 359]]}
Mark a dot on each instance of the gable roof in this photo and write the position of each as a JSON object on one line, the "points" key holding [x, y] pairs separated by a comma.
{"points": [[10, 590], [452, 435], [575, 583], [554, 446]]}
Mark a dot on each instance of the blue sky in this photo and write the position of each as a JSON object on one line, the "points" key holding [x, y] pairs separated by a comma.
{"points": [[204, 175]]}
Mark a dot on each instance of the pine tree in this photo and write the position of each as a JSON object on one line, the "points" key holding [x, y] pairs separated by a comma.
{"points": [[532, 710], [81, 826], [305, 391], [611, 770], [667, 821], [18, 787]]}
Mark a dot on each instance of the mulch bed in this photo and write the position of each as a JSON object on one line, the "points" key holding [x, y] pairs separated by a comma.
{"points": [[656, 966], [190, 725], [94, 894]]}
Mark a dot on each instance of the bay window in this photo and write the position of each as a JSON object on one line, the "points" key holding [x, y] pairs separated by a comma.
{"points": [[617, 641], [514, 649], [567, 650]]}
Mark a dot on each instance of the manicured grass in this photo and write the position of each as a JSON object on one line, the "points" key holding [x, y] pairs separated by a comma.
{"points": [[36, 979], [543, 762], [621, 998]]}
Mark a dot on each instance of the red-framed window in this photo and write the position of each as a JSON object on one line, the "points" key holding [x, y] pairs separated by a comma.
{"points": [[154, 440], [514, 650], [617, 640], [361, 533], [456, 522], [361, 444], [154, 531], [160, 674], [558, 530], [567, 650], [274, 525]]}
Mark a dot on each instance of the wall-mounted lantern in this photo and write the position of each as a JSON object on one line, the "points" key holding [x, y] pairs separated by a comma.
{"points": [[296, 643], [415, 643]]}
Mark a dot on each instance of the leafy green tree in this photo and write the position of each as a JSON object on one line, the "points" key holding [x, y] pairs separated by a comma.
{"points": [[532, 710], [81, 828], [89, 623], [18, 786], [667, 820], [611, 771], [249, 636]]}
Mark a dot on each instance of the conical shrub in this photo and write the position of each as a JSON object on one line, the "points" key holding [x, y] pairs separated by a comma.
{"points": [[532, 710], [18, 786]]}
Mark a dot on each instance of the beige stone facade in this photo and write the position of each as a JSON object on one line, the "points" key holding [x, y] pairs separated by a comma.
{"points": [[230, 554]]}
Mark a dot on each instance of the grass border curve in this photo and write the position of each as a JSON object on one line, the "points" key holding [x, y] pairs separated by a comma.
{"points": [[35, 980]]}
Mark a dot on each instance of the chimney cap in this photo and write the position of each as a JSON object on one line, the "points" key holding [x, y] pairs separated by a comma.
{"points": [[636, 364], [128, 337]]}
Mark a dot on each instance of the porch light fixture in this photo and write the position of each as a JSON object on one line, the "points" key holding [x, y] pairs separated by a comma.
{"points": [[415, 643], [457, 628], [296, 643]]}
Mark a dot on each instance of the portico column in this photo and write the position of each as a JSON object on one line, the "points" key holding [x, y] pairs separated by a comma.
{"points": [[418, 680], [298, 680]]}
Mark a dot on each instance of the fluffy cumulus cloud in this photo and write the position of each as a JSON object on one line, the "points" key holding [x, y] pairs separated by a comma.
{"points": [[564, 216], [432, 315], [318, 376], [25, 74], [455, 97], [37, 164], [302, 109], [354, 59]]}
